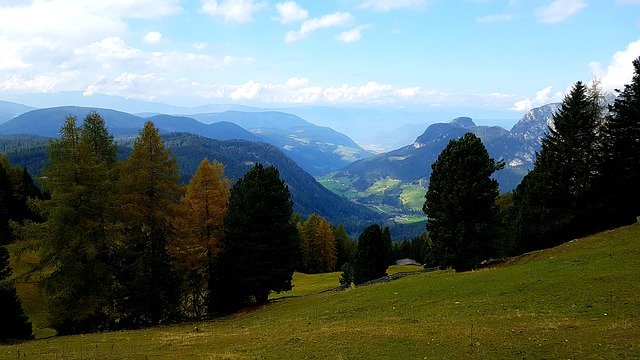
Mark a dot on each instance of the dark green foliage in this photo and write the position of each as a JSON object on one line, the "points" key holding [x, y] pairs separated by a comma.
{"points": [[5, 200], [16, 188], [414, 249], [460, 204], [149, 198], [14, 323], [555, 201], [75, 242], [371, 257], [345, 247], [346, 277], [259, 248], [621, 170]]}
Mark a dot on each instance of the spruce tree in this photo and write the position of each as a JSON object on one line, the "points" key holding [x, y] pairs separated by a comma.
{"points": [[621, 166], [371, 256], [149, 196], [260, 244], [460, 209], [14, 323], [556, 200]]}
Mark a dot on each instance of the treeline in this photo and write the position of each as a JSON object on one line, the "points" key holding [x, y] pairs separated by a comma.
{"points": [[586, 178]]}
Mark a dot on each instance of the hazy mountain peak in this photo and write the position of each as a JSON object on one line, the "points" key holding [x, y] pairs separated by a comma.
{"points": [[463, 121]]}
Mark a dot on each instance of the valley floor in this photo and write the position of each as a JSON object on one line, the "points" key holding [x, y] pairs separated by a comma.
{"points": [[579, 300]]}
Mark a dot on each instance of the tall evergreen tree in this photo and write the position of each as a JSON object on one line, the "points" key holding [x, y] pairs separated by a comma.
{"points": [[203, 210], [371, 255], [76, 240], [555, 200], [149, 204], [14, 323], [259, 248], [621, 167], [460, 204]]}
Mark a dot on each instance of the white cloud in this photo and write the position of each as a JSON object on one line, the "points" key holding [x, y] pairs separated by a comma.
{"points": [[352, 35], [620, 70], [238, 11], [386, 5], [301, 91], [39, 83], [247, 91], [200, 45], [559, 10], [311, 25], [495, 18], [153, 37], [296, 82], [291, 12], [543, 97]]}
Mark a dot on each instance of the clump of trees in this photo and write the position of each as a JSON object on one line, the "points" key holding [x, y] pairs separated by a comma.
{"points": [[372, 255], [586, 178], [121, 244]]}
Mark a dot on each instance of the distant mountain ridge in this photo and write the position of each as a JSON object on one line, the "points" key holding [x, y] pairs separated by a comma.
{"points": [[317, 149]]}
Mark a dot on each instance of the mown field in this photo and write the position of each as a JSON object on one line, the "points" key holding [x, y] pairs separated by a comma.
{"points": [[580, 300]]}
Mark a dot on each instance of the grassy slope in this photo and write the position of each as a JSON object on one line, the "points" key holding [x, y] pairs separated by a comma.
{"points": [[580, 300]]}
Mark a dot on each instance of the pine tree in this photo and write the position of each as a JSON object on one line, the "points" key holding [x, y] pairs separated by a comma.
{"points": [[149, 204], [203, 210], [555, 201], [75, 242], [460, 204], [621, 166], [371, 256], [259, 248], [14, 323]]}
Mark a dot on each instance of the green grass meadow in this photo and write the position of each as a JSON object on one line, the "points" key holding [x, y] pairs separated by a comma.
{"points": [[580, 300]]}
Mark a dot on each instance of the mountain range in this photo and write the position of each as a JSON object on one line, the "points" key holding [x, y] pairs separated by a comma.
{"points": [[366, 187], [395, 182], [316, 149]]}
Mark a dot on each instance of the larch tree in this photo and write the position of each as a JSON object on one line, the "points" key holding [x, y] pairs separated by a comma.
{"points": [[75, 242], [460, 204], [203, 210], [149, 199], [317, 245], [260, 244]]}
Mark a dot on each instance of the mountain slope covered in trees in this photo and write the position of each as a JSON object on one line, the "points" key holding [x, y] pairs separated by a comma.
{"points": [[238, 156]]}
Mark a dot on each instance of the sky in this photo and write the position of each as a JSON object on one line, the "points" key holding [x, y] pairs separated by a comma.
{"points": [[503, 55]]}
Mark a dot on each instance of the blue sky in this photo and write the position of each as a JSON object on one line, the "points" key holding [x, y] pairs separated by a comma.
{"points": [[502, 55]]}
